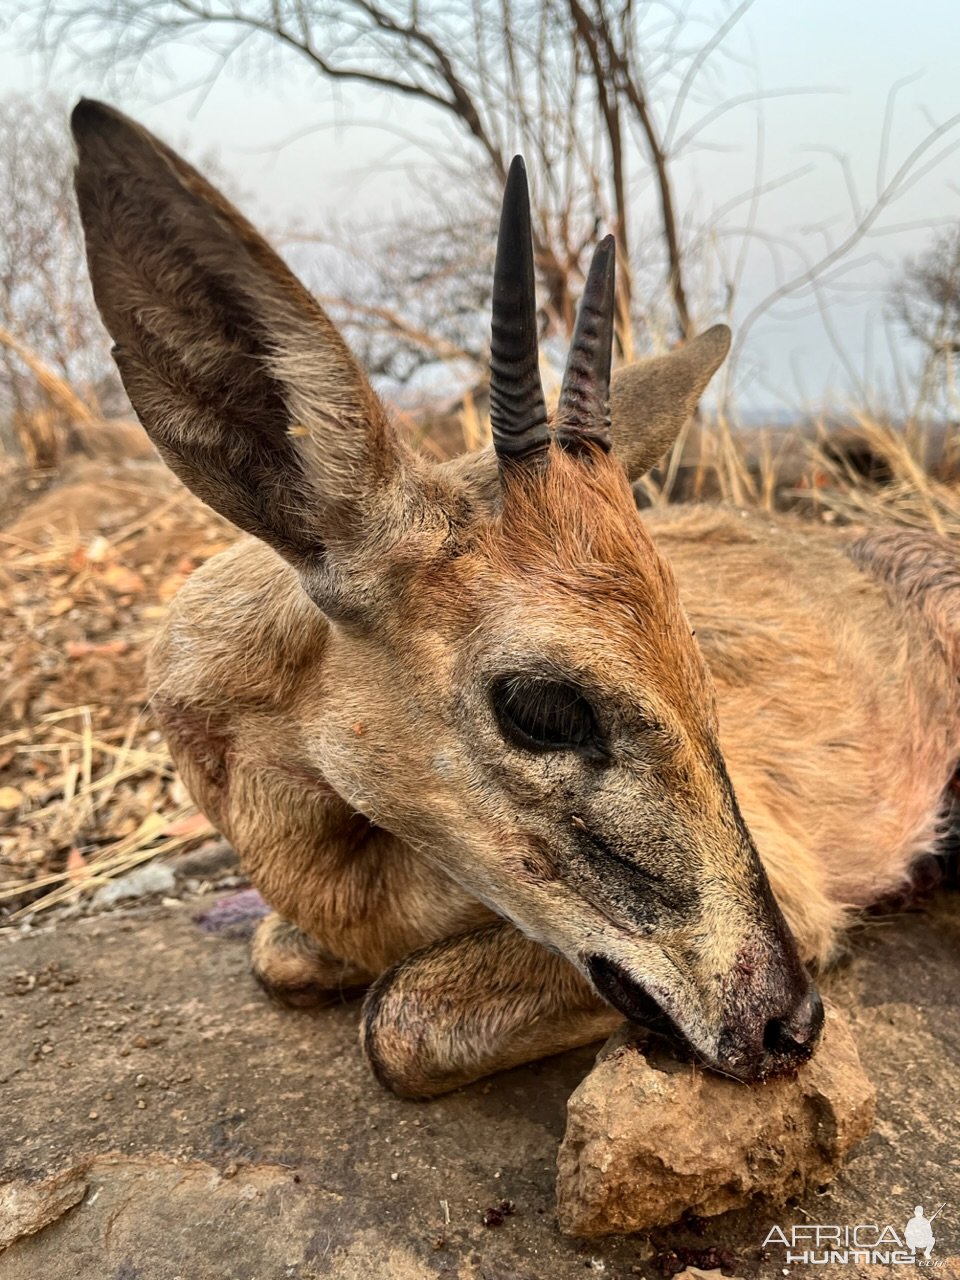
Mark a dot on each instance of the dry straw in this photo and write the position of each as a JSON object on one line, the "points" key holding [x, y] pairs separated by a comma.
{"points": [[90, 789]]}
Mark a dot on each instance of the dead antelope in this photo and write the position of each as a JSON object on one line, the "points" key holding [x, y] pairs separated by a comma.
{"points": [[454, 717]]}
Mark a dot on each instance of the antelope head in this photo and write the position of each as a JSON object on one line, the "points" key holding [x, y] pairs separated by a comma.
{"points": [[537, 717]]}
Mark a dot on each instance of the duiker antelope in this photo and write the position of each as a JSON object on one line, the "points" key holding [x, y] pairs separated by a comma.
{"points": [[484, 746]]}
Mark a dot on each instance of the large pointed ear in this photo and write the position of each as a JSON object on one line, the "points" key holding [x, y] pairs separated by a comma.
{"points": [[239, 377], [652, 399]]}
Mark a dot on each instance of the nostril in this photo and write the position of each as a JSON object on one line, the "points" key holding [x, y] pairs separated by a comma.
{"points": [[777, 1039], [796, 1034]]}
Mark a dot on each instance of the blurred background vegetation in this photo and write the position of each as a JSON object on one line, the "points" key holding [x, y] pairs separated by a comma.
{"points": [[640, 118]]}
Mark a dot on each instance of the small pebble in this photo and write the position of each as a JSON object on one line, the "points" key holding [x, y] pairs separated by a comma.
{"points": [[496, 1214], [155, 877]]}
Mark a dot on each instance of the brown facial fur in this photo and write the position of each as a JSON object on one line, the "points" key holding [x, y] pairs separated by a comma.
{"points": [[658, 845]]}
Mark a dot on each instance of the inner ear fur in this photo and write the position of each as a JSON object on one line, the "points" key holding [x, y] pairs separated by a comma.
{"points": [[238, 375], [652, 399]]}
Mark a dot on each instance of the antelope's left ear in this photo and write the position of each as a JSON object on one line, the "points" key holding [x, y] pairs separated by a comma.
{"points": [[652, 399]]}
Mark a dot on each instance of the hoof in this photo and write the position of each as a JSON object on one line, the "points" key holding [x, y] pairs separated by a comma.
{"points": [[296, 972], [305, 995]]}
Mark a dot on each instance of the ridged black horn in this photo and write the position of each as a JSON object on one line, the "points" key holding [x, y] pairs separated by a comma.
{"points": [[583, 413], [518, 413]]}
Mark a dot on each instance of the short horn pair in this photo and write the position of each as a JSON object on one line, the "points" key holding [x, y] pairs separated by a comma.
{"points": [[518, 412]]}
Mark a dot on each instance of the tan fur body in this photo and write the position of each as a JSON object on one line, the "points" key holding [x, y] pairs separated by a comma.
{"points": [[452, 716], [839, 721], [839, 713]]}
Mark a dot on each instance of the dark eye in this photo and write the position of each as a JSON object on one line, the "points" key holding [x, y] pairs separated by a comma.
{"points": [[545, 715]]}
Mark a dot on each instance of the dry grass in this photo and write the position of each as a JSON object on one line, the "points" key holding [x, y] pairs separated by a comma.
{"points": [[816, 473], [84, 799], [912, 496], [87, 789]]}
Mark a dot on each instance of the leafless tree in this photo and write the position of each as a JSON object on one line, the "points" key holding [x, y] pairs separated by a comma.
{"points": [[926, 301], [592, 92], [55, 367], [409, 294], [607, 100]]}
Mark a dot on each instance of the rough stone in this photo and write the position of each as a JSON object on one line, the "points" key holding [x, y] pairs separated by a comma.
{"points": [[694, 1273], [280, 1104], [27, 1207], [649, 1138], [155, 877], [216, 858]]}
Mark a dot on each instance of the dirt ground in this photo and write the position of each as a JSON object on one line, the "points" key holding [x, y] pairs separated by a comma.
{"points": [[206, 1134], [159, 1118]]}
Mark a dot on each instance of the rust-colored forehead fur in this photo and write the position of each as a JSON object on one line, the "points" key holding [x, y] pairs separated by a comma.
{"points": [[569, 535], [576, 517]]}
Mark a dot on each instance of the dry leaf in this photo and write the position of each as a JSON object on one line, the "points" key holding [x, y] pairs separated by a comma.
{"points": [[121, 580], [61, 606], [77, 869], [196, 825], [170, 585], [109, 648], [10, 799]]}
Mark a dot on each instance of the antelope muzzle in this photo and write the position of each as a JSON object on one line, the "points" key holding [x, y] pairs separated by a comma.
{"points": [[759, 1015]]}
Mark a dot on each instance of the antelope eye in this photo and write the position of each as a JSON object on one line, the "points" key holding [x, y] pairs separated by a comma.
{"points": [[545, 715]]}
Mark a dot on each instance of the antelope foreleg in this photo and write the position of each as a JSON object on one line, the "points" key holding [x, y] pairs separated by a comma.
{"points": [[473, 1004], [295, 970]]}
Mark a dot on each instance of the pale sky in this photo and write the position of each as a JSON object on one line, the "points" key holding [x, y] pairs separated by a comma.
{"points": [[335, 161]]}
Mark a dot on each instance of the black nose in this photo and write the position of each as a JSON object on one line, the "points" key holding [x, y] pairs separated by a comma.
{"points": [[793, 1038], [755, 1049]]}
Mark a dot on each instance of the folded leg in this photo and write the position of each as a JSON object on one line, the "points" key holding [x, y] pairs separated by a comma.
{"points": [[473, 1004], [294, 968]]}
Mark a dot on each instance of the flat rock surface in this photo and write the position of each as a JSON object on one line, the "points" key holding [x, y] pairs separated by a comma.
{"points": [[200, 1132]]}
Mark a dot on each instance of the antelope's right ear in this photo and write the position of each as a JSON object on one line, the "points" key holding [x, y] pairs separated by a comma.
{"points": [[238, 375], [652, 399]]}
